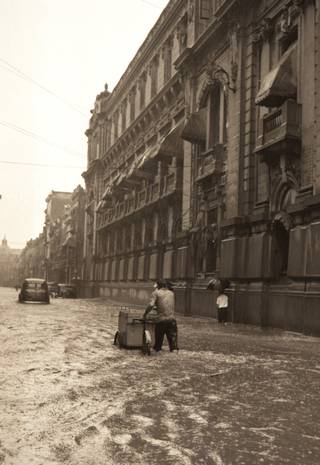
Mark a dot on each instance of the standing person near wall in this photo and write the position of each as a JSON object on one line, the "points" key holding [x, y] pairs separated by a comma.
{"points": [[162, 299], [222, 307]]}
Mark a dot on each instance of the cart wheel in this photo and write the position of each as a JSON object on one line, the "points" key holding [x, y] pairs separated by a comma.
{"points": [[146, 349], [146, 346], [116, 340]]}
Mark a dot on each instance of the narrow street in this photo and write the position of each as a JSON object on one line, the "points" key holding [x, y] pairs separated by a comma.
{"points": [[233, 395]]}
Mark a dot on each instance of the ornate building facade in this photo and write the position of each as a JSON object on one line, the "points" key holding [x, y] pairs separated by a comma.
{"points": [[57, 253], [204, 162], [32, 259]]}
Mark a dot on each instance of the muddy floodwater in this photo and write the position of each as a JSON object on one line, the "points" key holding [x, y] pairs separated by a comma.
{"points": [[232, 395]]}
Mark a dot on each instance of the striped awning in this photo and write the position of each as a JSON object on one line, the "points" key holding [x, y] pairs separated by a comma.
{"points": [[171, 144], [281, 82], [195, 127]]}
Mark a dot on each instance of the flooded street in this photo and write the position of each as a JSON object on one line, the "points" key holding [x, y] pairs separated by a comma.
{"points": [[233, 395]]}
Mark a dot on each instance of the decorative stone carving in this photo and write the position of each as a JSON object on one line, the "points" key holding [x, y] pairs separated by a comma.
{"points": [[182, 33], [263, 31], [234, 30], [288, 15], [285, 176], [191, 11]]}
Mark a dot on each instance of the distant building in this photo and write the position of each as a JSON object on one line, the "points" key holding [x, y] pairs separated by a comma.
{"points": [[9, 259], [73, 236], [32, 259], [57, 205]]}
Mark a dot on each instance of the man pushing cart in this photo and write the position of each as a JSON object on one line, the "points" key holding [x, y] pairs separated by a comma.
{"points": [[163, 301], [135, 332]]}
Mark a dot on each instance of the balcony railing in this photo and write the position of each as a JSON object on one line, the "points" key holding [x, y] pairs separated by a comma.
{"points": [[210, 163], [169, 184], [280, 130], [120, 210], [130, 204], [154, 192], [142, 198], [219, 4]]}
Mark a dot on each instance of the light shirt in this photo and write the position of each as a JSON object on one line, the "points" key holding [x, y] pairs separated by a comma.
{"points": [[222, 301], [163, 300]]}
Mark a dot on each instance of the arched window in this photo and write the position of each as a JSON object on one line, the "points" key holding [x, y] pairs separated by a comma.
{"points": [[216, 132]]}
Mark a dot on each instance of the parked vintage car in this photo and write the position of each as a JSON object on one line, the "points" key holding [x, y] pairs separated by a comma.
{"points": [[66, 290], [53, 289], [34, 290]]}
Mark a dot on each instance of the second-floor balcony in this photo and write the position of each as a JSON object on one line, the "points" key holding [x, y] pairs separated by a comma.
{"points": [[142, 198], [154, 192], [130, 204], [150, 194], [210, 163], [172, 181], [280, 130], [119, 211], [105, 218], [218, 5]]}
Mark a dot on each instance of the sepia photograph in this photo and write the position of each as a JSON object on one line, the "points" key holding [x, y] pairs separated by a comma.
{"points": [[159, 232]]}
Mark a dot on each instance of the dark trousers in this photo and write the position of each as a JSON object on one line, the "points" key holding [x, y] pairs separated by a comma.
{"points": [[168, 328], [222, 315]]}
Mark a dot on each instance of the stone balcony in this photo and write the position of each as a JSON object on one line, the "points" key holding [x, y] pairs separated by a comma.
{"points": [[171, 181], [134, 202], [210, 163], [280, 131]]}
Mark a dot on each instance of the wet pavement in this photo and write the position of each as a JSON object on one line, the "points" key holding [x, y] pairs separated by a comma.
{"points": [[232, 395]]}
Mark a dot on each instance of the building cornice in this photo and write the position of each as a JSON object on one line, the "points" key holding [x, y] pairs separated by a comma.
{"points": [[134, 132], [167, 19]]}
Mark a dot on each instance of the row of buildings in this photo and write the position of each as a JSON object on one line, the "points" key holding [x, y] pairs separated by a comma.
{"points": [[57, 253], [204, 162], [9, 264]]}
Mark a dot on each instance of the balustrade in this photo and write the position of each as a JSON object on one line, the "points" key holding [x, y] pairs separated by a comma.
{"points": [[219, 4], [154, 192], [142, 198], [169, 184], [210, 162], [281, 129]]}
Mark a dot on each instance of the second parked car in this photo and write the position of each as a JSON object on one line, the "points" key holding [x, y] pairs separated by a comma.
{"points": [[34, 290], [66, 290]]}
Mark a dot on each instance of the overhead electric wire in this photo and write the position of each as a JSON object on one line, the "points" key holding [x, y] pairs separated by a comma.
{"points": [[6, 65], [7, 162], [152, 4], [40, 138]]}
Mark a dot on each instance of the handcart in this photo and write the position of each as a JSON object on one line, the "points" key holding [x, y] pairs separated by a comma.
{"points": [[134, 332]]}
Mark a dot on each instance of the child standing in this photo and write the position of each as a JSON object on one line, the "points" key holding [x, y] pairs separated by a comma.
{"points": [[222, 307]]}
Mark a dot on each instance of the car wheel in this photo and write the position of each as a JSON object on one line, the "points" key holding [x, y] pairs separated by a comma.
{"points": [[116, 340]]}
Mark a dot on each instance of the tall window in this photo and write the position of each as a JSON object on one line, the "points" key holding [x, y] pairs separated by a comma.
{"points": [[155, 227], [167, 59], [103, 134], [123, 116], [154, 76], [205, 9], [167, 65], [170, 223], [108, 142], [142, 88], [216, 117], [132, 104], [115, 125]]}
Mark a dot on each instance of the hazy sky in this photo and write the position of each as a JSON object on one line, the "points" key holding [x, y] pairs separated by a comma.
{"points": [[71, 48]]}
